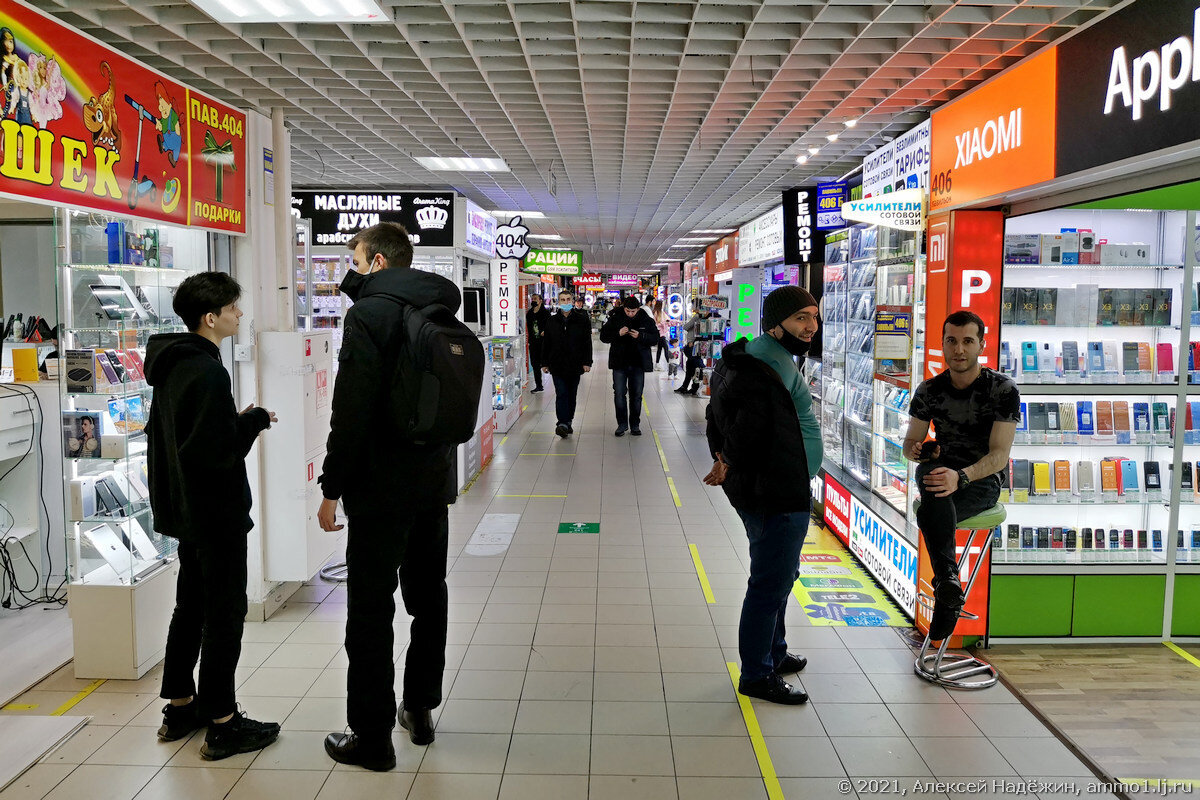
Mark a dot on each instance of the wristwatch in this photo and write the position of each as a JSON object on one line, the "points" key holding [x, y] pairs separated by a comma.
{"points": [[963, 480]]}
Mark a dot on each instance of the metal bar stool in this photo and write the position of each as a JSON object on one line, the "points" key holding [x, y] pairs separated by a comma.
{"points": [[335, 572], [961, 671]]}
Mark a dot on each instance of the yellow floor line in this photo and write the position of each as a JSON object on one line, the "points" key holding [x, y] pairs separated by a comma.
{"points": [[19, 707], [523, 409], [645, 408], [74, 701], [1195, 661], [675, 494], [502, 441], [700, 573], [563, 496], [661, 455], [765, 765]]}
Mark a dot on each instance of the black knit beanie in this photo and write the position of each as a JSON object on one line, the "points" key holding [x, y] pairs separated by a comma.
{"points": [[782, 303]]}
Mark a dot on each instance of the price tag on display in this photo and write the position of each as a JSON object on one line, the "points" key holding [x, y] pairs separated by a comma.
{"points": [[1087, 495]]}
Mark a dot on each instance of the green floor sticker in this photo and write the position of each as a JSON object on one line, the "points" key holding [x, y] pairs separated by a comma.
{"points": [[834, 589], [579, 527]]}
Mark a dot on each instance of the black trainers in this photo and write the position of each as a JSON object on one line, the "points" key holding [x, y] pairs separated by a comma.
{"points": [[947, 603], [374, 753], [773, 689], [239, 735], [178, 722], [791, 664], [620, 431], [561, 430], [635, 431]]}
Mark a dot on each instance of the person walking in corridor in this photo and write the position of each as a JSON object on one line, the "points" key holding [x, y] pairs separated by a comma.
{"points": [[535, 329], [567, 356], [632, 334]]}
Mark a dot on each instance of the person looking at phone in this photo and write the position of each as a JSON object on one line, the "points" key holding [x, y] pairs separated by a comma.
{"points": [[975, 412]]}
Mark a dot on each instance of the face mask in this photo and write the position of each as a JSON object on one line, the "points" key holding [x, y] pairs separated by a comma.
{"points": [[794, 344], [352, 284], [565, 307]]}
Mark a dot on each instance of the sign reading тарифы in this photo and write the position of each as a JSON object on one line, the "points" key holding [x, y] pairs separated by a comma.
{"points": [[553, 262]]}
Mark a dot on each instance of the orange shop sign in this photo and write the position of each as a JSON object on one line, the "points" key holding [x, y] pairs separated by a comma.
{"points": [[998, 138]]}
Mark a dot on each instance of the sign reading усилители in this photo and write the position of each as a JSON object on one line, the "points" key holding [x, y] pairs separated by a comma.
{"points": [[887, 555], [338, 216], [903, 210], [553, 262]]}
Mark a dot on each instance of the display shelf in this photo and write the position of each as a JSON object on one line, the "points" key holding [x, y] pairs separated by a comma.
{"points": [[1091, 267]]}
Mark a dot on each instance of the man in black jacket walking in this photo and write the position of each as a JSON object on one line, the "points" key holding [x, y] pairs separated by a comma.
{"points": [[756, 435], [567, 356], [535, 329], [199, 495], [632, 334], [395, 494]]}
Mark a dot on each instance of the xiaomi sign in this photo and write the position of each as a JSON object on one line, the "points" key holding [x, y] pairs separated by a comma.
{"points": [[998, 138]]}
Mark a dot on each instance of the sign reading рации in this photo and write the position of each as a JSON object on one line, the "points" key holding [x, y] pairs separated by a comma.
{"points": [[553, 262]]}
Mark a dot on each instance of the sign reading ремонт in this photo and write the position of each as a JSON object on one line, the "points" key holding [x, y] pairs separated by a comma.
{"points": [[553, 262]]}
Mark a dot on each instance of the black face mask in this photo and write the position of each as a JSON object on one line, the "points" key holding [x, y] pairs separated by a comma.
{"points": [[793, 344], [352, 284]]}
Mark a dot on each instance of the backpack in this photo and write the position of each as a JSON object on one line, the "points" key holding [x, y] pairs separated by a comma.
{"points": [[438, 377]]}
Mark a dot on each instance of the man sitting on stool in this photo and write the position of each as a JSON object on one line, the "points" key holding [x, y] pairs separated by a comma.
{"points": [[975, 411]]}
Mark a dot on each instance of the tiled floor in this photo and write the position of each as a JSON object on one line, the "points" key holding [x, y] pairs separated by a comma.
{"points": [[580, 665]]}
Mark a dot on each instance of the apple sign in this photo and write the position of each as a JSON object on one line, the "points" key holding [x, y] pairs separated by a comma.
{"points": [[510, 239]]}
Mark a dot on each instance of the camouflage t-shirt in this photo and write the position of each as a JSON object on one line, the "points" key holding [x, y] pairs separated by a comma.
{"points": [[963, 418]]}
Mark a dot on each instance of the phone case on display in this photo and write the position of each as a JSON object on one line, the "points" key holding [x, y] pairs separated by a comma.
{"points": [[1084, 474], [1195, 540], [1006, 362], [1027, 540], [1151, 475], [1185, 476], [1062, 476], [1064, 314], [1056, 539], [1129, 476], [104, 367], [1108, 476], [1095, 357], [1121, 425], [1110, 356], [1029, 357], [1144, 361], [1047, 306], [1123, 299], [1046, 356], [1098, 538], [1041, 478], [1106, 311], [1072, 537], [1052, 421], [1027, 306], [1129, 356], [1022, 474], [1163, 301], [1193, 420], [1104, 418], [1014, 537], [1141, 417], [1085, 538], [1193, 355], [1008, 301], [1070, 357], [1066, 418], [1043, 538], [1114, 539], [1156, 541], [1087, 302], [1143, 306], [1038, 420], [1166, 358], [1085, 417]]}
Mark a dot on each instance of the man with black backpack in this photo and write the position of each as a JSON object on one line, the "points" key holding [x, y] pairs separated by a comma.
{"points": [[408, 384]]}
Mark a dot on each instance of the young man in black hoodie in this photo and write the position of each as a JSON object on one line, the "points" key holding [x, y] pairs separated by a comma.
{"points": [[632, 334], [199, 495], [395, 493], [757, 421], [567, 356], [535, 328]]}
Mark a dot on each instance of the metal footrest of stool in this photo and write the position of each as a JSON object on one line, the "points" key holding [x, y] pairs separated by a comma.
{"points": [[335, 572], [960, 671]]}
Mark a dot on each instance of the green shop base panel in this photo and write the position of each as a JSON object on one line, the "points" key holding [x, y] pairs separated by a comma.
{"points": [[1090, 605]]}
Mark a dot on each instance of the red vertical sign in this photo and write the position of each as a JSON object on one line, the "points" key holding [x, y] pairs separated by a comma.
{"points": [[837, 509], [963, 272]]}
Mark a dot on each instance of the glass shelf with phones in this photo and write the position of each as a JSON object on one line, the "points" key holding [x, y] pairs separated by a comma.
{"points": [[834, 307], [115, 290]]}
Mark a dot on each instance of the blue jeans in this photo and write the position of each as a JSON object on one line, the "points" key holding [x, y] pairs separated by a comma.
{"points": [[628, 383], [775, 542], [566, 388]]}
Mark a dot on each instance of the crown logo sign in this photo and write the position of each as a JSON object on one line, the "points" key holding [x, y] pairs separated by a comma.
{"points": [[432, 217]]}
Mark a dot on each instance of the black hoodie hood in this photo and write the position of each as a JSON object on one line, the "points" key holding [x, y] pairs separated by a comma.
{"points": [[165, 350], [413, 286]]}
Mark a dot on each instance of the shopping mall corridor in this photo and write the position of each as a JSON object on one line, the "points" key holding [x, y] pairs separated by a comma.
{"points": [[582, 664]]}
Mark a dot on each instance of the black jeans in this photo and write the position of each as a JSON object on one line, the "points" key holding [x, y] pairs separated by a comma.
{"points": [[662, 348], [628, 383], [206, 626], [938, 517], [692, 363], [775, 542], [409, 552], [535, 363], [566, 390]]}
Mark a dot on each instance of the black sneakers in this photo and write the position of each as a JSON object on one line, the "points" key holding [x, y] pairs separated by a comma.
{"points": [[178, 722], [790, 664], [376, 754], [947, 603], [620, 431], [239, 735], [635, 431], [561, 430], [773, 689]]}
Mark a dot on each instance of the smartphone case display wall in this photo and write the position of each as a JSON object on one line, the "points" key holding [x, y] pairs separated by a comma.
{"points": [[1092, 306], [115, 288], [508, 374], [834, 301]]}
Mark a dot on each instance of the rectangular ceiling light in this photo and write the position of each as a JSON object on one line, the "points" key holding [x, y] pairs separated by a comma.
{"points": [[333, 11], [521, 214], [550, 236], [456, 164], [716, 230]]}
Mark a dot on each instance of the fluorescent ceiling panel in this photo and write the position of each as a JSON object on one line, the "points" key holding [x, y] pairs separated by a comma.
{"points": [[331, 11]]}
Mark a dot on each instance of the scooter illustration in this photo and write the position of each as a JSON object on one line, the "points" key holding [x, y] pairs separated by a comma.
{"points": [[140, 188]]}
